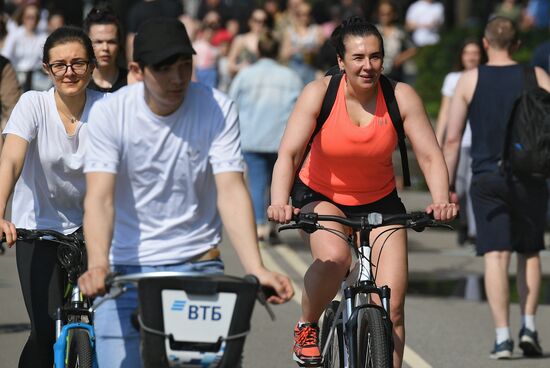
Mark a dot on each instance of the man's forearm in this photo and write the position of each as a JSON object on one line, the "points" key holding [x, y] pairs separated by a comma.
{"points": [[451, 153], [237, 216], [98, 232]]}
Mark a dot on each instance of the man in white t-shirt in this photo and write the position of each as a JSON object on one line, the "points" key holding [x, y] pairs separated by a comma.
{"points": [[423, 19], [164, 169]]}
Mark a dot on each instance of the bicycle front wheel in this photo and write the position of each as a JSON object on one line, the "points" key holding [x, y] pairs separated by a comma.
{"points": [[375, 339], [335, 353], [79, 353]]}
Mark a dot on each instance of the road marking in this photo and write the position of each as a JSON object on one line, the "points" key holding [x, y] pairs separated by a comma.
{"points": [[270, 264], [294, 260], [413, 359]]}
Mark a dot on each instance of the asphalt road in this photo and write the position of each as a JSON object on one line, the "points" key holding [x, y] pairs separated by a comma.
{"points": [[442, 331]]}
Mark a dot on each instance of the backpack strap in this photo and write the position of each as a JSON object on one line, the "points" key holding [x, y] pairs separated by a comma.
{"points": [[388, 89], [326, 108], [328, 102], [529, 78]]}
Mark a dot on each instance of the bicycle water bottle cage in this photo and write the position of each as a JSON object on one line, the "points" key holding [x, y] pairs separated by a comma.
{"points": [[308, 222]]}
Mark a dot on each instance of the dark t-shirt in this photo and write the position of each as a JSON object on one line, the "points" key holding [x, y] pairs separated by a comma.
{"points": [[120, 82], [146, 10]]}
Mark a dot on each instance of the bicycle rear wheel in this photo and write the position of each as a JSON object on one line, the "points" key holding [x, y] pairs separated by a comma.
{"points": [[375, 339], [335, 352], [80, 353]]}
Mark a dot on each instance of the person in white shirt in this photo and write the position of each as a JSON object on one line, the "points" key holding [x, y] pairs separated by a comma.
{"points": [[43, 158], [423, 19], [23, 47], [164, 169], [471, 55]]}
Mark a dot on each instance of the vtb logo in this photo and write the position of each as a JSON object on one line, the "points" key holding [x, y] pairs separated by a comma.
{"points": [[195, 312]]}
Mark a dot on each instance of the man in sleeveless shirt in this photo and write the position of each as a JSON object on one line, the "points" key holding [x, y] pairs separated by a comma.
{"points": [[509, 211]]}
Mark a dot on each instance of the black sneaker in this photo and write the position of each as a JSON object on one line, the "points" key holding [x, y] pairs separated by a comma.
{"points": [[502, 350], [529, 343]]}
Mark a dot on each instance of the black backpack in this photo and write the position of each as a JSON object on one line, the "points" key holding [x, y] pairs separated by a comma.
{"points": [[526, 150], [388, 86]]}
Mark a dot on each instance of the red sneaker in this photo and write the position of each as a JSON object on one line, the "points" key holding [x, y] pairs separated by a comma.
{"points": [[306, 345]]}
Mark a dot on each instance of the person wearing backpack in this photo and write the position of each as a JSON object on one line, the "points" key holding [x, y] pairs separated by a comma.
{"points": [[348, 171], [509, 207]]}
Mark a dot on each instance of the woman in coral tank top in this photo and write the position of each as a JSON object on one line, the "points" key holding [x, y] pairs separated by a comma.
{"points": [[349, 172]]}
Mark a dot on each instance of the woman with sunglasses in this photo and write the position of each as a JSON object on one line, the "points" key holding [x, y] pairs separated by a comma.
{"points": [[42, 164]]}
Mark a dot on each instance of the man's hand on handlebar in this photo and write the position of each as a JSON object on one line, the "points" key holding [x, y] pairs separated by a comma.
{"points": [[8, 228], [281, 213], [280, 283], [92, 282]]}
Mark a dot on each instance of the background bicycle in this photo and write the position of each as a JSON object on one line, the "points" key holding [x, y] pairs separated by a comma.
{"points": [[357, 330], [74, 346]]}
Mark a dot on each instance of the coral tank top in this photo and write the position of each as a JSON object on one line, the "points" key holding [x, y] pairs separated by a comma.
{"points": [[349, 164]]}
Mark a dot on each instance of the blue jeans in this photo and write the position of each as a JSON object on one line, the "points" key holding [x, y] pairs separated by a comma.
{"points": [[260, 167], [117, 341]]}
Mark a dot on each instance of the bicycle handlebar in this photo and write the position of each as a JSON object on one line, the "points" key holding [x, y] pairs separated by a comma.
{"points": [[418, 221], [50, 235], [116, 280], [71, 252]]}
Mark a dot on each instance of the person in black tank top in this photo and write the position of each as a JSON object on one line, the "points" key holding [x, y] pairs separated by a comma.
{"points": [[509, 211]]}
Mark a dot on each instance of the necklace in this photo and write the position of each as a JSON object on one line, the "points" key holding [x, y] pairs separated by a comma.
{"points": [[73, 119]]}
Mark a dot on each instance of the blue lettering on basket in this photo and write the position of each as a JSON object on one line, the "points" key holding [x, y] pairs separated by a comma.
{"points": [[178, 305], [205, 312]]}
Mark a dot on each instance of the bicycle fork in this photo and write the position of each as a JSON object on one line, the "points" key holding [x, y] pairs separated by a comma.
{"points": [[357, 290]]}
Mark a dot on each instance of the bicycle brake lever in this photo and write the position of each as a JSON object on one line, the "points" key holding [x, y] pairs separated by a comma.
{"points": [[264, 292]]}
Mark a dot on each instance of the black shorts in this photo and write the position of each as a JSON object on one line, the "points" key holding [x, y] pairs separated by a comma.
{"points": [[390, 204], [510, 213]]}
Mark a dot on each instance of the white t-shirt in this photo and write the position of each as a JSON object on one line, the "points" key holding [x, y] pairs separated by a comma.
{"points": [[165, 194], [448, 90], [429, 16], [24, 50], [50, 190]]}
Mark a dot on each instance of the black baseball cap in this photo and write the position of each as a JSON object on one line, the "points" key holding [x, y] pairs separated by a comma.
{"points": [[158, 39]]}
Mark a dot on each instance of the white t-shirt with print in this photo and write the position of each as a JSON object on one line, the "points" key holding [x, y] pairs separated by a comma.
{"points": [[448, 90], [50, 191], [165, 194]]}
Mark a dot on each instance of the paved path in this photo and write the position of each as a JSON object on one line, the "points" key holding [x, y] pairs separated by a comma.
{"points": [[451, 332]]}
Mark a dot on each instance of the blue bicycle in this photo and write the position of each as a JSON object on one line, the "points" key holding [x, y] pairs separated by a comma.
{"points": [[75, 337]]}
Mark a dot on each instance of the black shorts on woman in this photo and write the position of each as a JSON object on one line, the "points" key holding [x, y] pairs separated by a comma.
{"points": [[390, 204]]}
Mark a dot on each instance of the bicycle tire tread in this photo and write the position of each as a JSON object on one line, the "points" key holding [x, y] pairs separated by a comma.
{"points": [[80, 354], [375, 333]]}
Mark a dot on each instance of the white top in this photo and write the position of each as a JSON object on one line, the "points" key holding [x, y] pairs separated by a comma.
{"points": [[24, 50], [165, 194], [448, 90], [50, 191], [429, 16]]}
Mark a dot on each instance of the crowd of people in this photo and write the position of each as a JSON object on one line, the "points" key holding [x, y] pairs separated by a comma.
{"points": [[147, 131]]}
